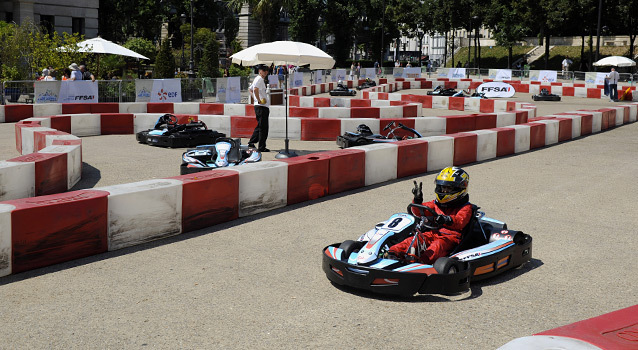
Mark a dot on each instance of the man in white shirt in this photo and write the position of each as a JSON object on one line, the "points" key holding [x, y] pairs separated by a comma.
{"points": [[262, 110], [613, 77]]}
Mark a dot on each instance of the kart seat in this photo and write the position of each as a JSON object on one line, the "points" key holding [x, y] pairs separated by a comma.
{"points": [[473, 235], [234, 155]]}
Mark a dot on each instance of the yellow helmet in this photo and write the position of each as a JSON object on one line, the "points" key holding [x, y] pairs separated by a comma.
{"points": [[451, 186]]}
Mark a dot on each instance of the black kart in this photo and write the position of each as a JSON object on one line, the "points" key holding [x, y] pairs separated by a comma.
{"points": [[341, 90], [167, 132], [367, 84], [364, 135], [440, 91], [544, 95]]}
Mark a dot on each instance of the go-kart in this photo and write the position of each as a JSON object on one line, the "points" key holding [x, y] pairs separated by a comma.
{"points": [[440, 91], [463, 93], [226, 152], [367, 84], [487, 249], [364, 135], [341, 90], [544, 95], [167, 132]]}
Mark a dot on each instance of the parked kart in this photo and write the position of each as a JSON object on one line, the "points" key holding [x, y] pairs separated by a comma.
{"points": [[367, 84], [364, 135], [341, 90], [544, 95], [226, 152], [440, 91], [487, 249], [463, 93], [168, 133]]}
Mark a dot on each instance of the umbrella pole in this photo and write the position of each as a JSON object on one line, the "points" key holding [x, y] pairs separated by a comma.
{"points": [[286, 153]]}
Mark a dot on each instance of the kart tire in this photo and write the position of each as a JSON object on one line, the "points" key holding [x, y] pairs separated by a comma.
{"points": [[446, 265], [349, 247]]}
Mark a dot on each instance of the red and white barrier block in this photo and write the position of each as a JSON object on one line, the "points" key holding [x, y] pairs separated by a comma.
{"points": [[262, 187]]}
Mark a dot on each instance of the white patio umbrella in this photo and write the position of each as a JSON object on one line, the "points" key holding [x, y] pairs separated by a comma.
{"points": [[102, 46], [616, 61], [284, 53]]}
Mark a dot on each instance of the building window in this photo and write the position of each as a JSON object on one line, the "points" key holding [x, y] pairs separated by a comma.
{"points": [[78, 25], [8, 17], [47, 23]]}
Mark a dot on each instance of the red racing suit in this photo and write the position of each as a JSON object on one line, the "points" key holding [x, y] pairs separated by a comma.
{"points": [[431, 245]]}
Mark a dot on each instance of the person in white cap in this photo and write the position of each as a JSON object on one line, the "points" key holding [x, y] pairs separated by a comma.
{"points": [[75, 72]]}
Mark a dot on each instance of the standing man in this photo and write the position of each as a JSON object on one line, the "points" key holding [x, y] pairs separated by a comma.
{"points": [[613, 84], [262, 110], [86, 75]]}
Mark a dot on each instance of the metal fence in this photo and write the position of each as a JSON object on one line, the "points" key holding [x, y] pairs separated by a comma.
{"points": [[205, 90]]}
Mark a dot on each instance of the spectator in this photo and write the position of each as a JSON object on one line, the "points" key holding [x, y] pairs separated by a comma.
{"points": [[86, 75], [46, 75], [75, 72], [352, 71], [358, 70], [66, 74], [408, 65], [613, 77]]}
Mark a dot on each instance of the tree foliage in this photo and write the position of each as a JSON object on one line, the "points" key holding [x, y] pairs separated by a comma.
{"points": [[165, 62]]}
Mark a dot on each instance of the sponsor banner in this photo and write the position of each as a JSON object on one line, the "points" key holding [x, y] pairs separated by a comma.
{"points": [[143, 88], [368, 73], [273, 80], [318, 76], [496, 89], [166, 90], [47, 91], [442, 72], [233, 90], [500, 74], [456, 73], [221, 90], [78, 91], [595, 78], [297, 79], [412, 72], [338, 74], [397, 72], [544, 76]]}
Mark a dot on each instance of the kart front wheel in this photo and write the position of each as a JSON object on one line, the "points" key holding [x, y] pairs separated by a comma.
{"points": [[349, 247], [447, 265]]}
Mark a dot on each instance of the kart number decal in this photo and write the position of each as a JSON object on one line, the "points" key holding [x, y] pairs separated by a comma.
{"points": [[397, 224]]}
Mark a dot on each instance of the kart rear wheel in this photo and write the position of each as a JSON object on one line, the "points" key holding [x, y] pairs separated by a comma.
{"points": [[349, 247], [446, 266]]}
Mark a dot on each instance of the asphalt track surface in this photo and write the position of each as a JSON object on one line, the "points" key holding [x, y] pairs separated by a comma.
{"points": [[257, 282]]}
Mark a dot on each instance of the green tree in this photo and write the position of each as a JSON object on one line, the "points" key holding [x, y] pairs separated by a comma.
{"points": [[341, 16], [209, 64], [304, 16], [165, 62], [504, 20], [266, 12]]}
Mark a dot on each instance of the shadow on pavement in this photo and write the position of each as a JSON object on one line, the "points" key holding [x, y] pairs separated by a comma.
{"points": [[90, 176]]}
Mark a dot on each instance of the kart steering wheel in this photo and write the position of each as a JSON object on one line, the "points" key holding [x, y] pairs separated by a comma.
{"points": [[170, 119], [387, 127], [425, 222]]}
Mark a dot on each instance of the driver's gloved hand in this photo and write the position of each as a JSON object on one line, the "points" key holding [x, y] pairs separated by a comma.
{"points": [[390, 255], [417, 191], [443, 220]]}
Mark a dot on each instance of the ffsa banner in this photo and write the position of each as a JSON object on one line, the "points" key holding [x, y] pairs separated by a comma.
{"points": [[72, 91], [544, 76], [500, 74], [47, 91]]}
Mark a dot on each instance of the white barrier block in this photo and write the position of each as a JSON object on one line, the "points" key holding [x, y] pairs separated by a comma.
{"points": [[534, 89], [234, 109], [557, 90], [186, 108], [415, 84], [505, 119], [551, 131], [580, 92], [339, 102], [633, 109], [596, 122], [394, 97], [219, 123], [440, 102], [263, 186], [5, 238], [28, 138], [373, 95], [145, 121], [352, 124], [133, 107], [472, 104], [430, 126], [486, 142], [500, 105], [73, 161], [1, 114], [47, 109], [620, 116], [381, 162], [379, 103], [391, 112], [522, 138], [440, 152], [334, 112], [143, 211], [278, 111], [463, 85], [568, 84], [86, 124], [50, 138], [278, 128], [576, 123], [17, 180], [306, 101], [45, 122]]}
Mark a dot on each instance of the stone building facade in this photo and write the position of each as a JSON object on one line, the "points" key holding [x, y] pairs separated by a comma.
{"points": [[71, 16]]}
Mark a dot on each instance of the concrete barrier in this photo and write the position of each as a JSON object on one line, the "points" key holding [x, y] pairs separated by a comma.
{"points": [[430, 126], [86, 124], [132, 107], [278, 128], [486, 144], [412, 157], [219, 123], [380, 163], [521, 138], [262, 187], [47, 109], [308, 177], [145, 121], [440, 152], [347, 169], [143, 211], [17, 180]]}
